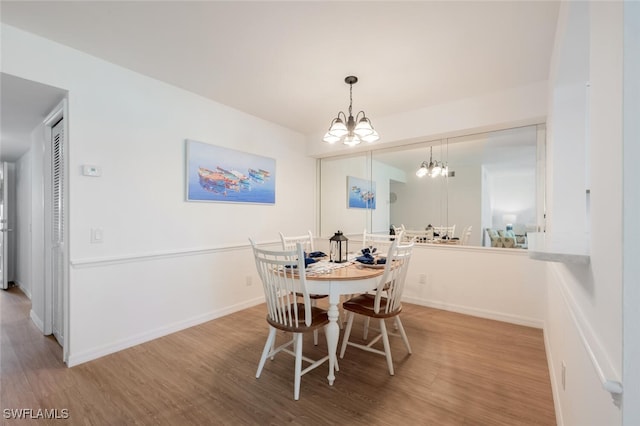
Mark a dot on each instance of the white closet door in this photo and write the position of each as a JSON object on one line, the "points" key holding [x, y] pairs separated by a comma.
{"points": [[57, 227]]}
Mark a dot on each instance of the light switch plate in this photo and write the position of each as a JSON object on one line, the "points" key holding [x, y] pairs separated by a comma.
{"points": [[96, 235]]}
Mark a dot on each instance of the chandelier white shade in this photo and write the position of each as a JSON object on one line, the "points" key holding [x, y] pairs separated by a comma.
{"points": [[432, 168], [349, 130]]}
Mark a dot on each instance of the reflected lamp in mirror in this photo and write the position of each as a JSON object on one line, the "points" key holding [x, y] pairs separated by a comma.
{"points": [[339, 247], [432, 168], [351, 131], [509, 220]]}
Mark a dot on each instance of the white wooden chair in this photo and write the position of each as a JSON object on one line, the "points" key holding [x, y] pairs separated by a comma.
{"points": [[283, 276], [289, 243], [381, 242], [384, 303]]}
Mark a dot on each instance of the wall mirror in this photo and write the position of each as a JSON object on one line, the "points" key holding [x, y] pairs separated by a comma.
{"points": [[495, 182]]}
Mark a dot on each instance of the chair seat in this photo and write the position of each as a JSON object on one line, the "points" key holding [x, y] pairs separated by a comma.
{"points": [[363, 304], [319, 318]]}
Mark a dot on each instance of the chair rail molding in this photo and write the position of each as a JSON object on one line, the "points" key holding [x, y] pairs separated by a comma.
{"points": [[602, 365], [141, 257]]}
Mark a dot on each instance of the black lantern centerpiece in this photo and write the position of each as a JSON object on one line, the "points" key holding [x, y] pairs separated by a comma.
{"points": [[339, 247]]}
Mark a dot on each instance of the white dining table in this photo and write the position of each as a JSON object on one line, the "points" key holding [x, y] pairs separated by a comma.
{"points": [[335, 281]]}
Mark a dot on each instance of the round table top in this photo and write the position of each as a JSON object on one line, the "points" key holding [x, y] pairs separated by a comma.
{"points": [[351, 272]]}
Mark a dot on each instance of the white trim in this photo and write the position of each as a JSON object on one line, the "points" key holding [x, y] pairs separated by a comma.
{"points": [[602, 365], [480, 313], [60, 112], [552, 375], [24, 290], [142, 257], [631, 209], [37, 321], [76, 359]]}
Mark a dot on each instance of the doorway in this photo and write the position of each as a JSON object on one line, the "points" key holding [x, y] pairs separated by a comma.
{"points": [[28, 146]]}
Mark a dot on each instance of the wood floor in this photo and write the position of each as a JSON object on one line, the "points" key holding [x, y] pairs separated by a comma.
{"points": [[463, 371]]}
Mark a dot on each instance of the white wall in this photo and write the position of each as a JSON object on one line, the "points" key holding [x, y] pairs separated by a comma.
{"points": [[164, 262], [584, 317], [500, 284], [383, 175], [23, 223], [38, 308], [512, 193]]}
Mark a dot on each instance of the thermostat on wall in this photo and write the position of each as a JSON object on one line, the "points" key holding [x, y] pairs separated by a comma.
{"points": [[89, 170]]}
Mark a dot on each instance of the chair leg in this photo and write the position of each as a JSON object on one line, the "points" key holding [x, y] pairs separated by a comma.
{"points": [[268, 347], [387, 347], [315, 332], [365, 332], [298, 369], [347, 333], [399, 326]]}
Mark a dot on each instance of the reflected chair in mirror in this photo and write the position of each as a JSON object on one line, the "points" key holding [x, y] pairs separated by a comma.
{"points": [[418, 236], [384, 303], [289, 243], [442, 231], [397, 230], [283, 276], [466, 234]]}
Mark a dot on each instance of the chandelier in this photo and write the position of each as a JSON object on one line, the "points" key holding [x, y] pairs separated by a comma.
{"points": [[432, 168], [351, 131]]}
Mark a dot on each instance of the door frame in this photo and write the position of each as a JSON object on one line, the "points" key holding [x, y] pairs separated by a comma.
{"points": [[60, 112]]}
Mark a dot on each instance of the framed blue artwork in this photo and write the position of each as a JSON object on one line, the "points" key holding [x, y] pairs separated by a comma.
{"points": [[220, 174], [361, 193]]}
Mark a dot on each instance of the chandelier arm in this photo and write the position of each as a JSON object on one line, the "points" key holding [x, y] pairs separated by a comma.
{"points": [[364, 115]]}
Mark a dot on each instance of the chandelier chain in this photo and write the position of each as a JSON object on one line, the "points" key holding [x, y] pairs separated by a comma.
{"points": [[350, 98]]}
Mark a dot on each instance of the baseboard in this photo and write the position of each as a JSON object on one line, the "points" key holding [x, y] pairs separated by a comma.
{"points": [[552, 373], [24, 289], [481, 313], [37, 321], [76, 359]]}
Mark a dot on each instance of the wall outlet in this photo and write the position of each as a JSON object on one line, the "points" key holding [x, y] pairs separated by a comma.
{"points": [[564, 375], [422, 279], [249, 280]]}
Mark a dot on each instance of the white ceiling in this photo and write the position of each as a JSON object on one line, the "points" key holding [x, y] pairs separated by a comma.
{"points": [[286, 61], [24, 105]]}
